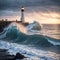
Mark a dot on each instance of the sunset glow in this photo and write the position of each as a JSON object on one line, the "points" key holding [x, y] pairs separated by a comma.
{"points": [[48, 18], [30, 29]]}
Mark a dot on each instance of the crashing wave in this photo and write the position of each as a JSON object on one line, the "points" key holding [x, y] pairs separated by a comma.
{"points": [[21, 40], [30, 52], [14, 34], [34, 27]]}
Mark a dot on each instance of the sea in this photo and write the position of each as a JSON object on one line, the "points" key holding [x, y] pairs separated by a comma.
{"points": [[42, 45]]}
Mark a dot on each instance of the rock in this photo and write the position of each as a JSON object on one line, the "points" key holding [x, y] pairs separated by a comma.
{"points": [[19, 56]]}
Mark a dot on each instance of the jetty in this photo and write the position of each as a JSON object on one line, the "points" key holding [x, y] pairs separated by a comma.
{"points": [[4, 24]]}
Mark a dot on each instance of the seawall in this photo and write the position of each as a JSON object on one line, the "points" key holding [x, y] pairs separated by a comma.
{"points": [[4, 24]]}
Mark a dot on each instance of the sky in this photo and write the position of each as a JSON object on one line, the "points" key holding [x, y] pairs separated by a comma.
{"points": [[43, 11]]}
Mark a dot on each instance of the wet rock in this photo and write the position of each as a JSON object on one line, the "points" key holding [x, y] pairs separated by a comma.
{"points": [[19, 56]]}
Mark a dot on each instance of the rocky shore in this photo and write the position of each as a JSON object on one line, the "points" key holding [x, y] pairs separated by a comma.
{"points": [[4, 55], [3, 24]]}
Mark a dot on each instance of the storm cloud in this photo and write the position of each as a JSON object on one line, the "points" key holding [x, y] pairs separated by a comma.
{"points": [[16, 4], [42, 10]]}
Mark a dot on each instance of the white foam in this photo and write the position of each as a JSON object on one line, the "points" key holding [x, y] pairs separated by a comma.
{"points": [[3, 34], [28, 51], [53, 42]]}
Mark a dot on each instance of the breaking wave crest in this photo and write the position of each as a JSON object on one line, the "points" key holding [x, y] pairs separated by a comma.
{"points": [[12, 33]]}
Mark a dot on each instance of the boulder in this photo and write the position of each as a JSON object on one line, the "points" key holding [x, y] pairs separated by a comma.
{"points": [[19, 56]]}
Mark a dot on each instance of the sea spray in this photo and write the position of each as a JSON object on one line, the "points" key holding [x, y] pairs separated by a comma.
{"points": [[29, 52], [16, 40], [16, 36]]}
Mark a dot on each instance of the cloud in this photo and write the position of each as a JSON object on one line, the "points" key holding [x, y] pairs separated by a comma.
{"points": [[32, 7], [16, 4], [57, 2]]}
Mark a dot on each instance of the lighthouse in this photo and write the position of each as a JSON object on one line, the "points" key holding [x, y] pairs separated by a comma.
{"points": [[22, 14]]}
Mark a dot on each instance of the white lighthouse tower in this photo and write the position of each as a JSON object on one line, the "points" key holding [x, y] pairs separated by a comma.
{"points": [[22, 14]]}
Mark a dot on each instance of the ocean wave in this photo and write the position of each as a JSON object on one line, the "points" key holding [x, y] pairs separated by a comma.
{"points": [[12, 33], [30, 52]]}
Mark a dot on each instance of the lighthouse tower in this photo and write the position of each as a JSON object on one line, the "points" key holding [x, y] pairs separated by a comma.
{"points": [[22, 14]]}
